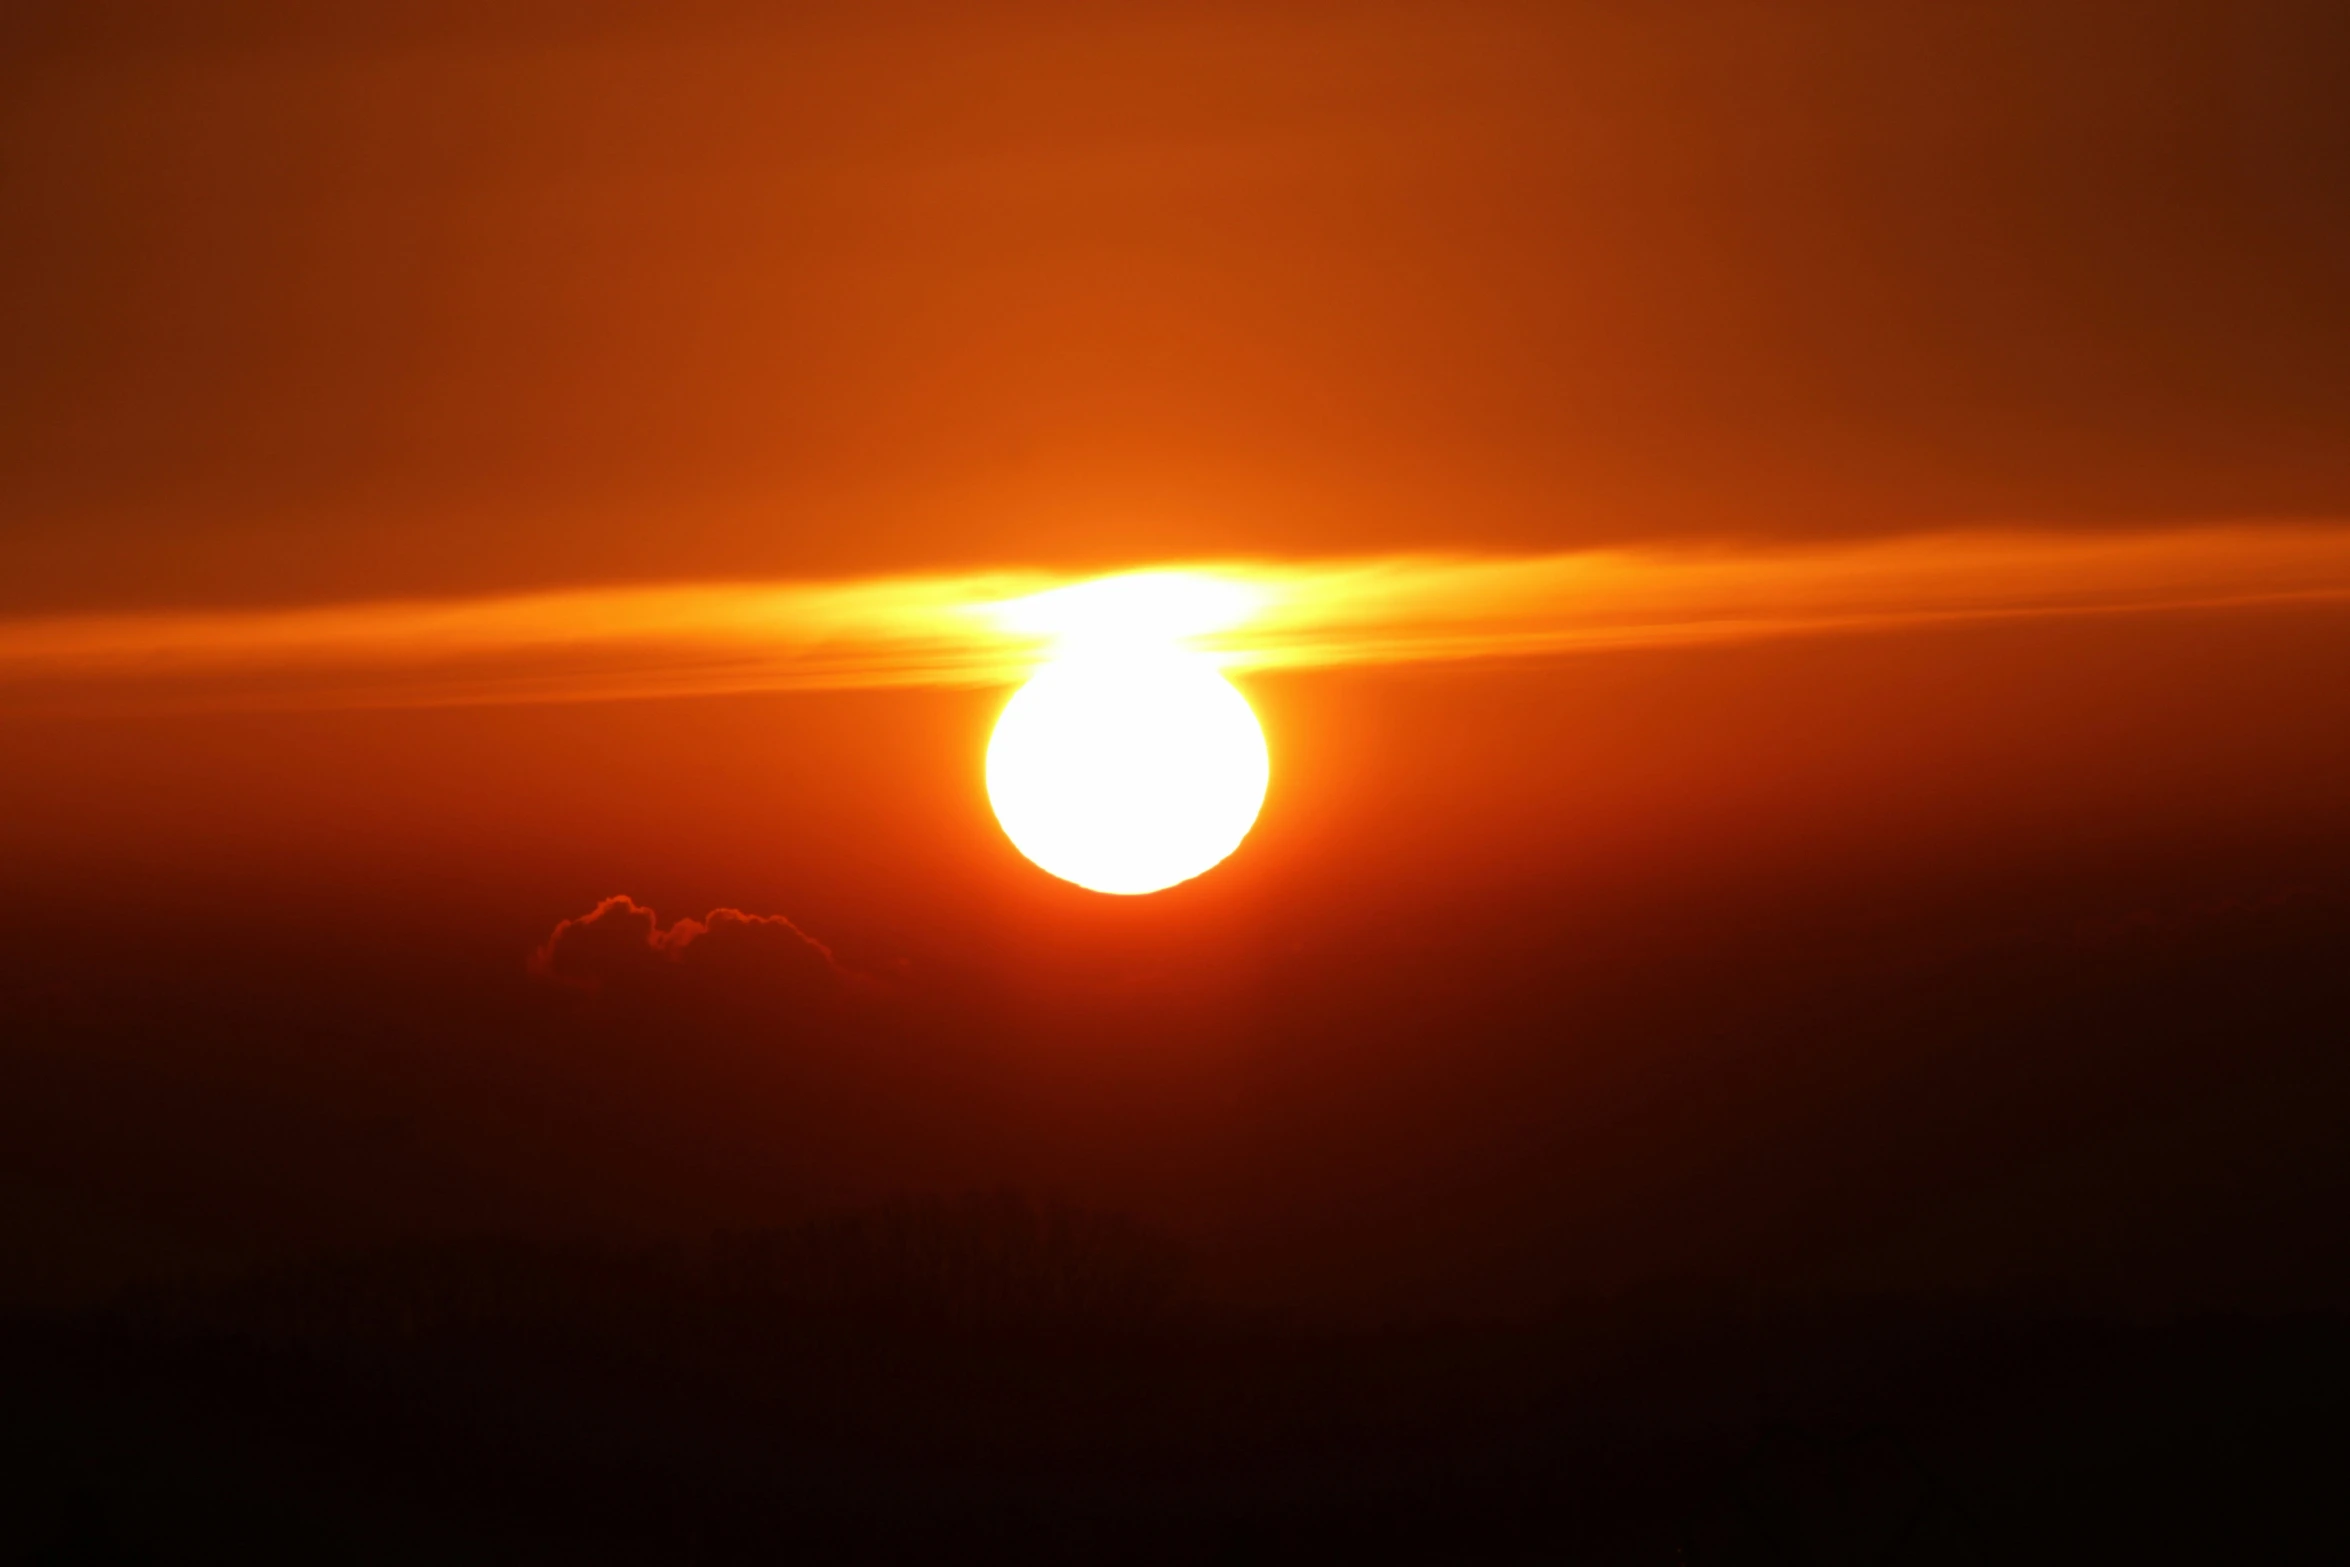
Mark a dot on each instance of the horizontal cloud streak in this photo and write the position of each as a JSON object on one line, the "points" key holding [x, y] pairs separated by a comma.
{"points": [[1417, 610], [982, 629]]}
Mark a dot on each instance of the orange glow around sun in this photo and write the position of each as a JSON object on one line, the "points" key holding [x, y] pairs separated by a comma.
{"points": [[1129, 763]]}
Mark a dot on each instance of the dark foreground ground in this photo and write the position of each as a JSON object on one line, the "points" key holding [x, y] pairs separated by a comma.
{"points": [[981, 1380]]}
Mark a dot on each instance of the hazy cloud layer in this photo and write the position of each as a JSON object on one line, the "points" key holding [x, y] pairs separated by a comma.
{"points": [[983, 629]]}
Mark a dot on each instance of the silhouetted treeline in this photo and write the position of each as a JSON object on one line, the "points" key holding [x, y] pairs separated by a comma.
{"points": [[994, 1261], [963, 1379], [988, 1260]]}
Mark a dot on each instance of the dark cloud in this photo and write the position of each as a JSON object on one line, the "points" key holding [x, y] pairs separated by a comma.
{"points": [[620, 947]]}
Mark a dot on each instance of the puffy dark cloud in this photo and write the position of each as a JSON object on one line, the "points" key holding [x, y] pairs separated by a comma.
{"points": [[621, 947]]}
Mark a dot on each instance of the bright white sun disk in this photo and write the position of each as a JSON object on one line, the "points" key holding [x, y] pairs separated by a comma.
{"points": [[1126, 767]]}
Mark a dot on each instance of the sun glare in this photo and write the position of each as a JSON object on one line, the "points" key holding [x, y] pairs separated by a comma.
{"points": [[1129, 763], [1134, 611]]}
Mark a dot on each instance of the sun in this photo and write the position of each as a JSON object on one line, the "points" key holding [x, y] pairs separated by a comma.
{"points": [[1126, 768]]}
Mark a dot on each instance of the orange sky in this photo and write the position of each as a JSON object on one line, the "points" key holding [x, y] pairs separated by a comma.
{"points": [[307, 305], [382, 390]]}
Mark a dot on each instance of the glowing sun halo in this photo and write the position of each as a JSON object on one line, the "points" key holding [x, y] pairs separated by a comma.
{"points": [[1128, 764]]}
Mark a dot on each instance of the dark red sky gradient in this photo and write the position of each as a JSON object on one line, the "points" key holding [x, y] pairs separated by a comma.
{"points": [[1998, 958], [1535, 978]]}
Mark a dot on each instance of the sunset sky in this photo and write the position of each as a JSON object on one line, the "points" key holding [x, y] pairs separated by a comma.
{"points": [[1793, 563]]}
